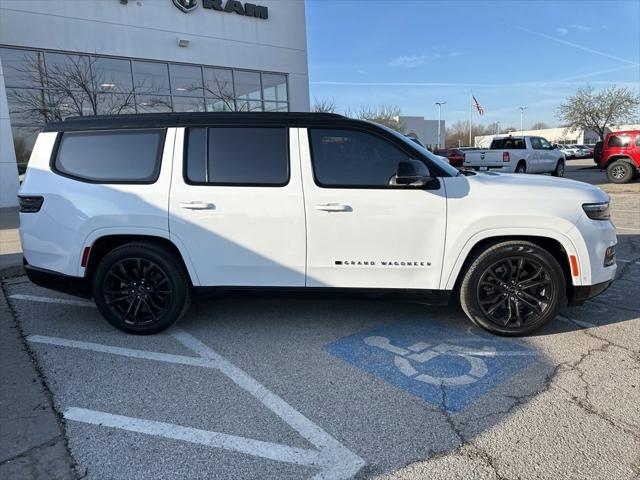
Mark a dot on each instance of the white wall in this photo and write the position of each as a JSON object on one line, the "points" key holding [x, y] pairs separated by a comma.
{"points": [[8, 166], [426, 130], [151, 28]]}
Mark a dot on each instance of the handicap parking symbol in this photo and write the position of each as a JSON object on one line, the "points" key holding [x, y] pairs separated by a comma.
{"points": [[427, 358]]}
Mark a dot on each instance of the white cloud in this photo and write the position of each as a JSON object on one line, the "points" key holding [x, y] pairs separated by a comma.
{"points": [[582, 28], [562, 31], [455, 54]]}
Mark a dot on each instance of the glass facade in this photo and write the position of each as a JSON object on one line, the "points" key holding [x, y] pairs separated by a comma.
{"points": [[45, 85]]}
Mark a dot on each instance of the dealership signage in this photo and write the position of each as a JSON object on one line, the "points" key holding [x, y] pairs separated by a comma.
{"points": [[228, 6]]}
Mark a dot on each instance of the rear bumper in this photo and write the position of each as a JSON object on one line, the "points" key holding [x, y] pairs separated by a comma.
{"points": [[581, 294], [77, 286]]}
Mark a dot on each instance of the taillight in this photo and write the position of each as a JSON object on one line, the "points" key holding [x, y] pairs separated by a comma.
{"points": [[30, 204], [505, 156]]}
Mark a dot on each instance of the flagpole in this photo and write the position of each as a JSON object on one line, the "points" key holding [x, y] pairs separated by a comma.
{"points": [[470, 115]]}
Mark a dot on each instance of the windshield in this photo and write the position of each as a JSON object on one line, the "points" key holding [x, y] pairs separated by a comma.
{"points": [[431, 156]]}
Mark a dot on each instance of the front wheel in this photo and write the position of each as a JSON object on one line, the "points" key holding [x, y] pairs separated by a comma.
{"points": [[141, 288], [513, 288], [559, 170], [620, 172]]}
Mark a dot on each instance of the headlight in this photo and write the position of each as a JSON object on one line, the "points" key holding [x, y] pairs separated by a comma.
{"points": [[597, 211]]}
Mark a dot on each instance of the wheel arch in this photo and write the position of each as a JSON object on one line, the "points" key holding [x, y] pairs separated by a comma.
{"points": [[624, 158], [559, 250], [103, 244]]}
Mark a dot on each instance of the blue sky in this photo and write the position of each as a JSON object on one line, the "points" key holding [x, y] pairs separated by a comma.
{"points": [[412, 53]]}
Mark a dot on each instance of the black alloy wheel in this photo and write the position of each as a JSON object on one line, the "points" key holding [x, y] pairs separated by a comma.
{"points": [[514, 291], [513, 288], [141, 288], [137, 290]]}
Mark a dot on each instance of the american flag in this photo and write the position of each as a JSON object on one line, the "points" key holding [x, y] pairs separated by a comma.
{"points": [[478, 106]]}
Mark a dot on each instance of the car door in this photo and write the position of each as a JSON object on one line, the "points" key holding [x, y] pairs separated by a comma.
{"points": [[536, 156], [549, 156], [361, 232], [236, 205]]}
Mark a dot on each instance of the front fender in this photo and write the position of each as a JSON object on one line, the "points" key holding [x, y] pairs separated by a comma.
{"points": [[452, 268]]}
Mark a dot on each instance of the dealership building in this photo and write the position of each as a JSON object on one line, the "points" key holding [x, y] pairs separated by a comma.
{"points": [[62, 58]]}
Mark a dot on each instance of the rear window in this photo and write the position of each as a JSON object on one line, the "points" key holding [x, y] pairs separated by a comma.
{"points": [[127, 156], [508, 143], [619, 141], [238, 156]]}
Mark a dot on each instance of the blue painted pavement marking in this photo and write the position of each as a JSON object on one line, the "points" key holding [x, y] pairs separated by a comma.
{"points": [[428, 359]]}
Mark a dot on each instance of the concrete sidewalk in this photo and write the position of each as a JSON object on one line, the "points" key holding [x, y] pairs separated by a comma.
{"points": [[32, 438], [10, 248]]}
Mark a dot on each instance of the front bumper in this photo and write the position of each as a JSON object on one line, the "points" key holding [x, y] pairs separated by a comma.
{"points": [[77, 286], [580, 294]]}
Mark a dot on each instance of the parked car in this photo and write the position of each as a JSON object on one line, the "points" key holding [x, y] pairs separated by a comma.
{"points": [[621, 156], [518, 155], [568, 152], [454, 155], [581, 151], [142, 212]]}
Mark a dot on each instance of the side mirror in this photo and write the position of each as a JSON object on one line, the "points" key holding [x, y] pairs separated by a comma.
{"points": [[412, 173]]}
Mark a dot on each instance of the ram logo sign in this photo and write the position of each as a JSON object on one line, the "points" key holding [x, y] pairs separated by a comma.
{"points": [[230, 6], [186, 5]]}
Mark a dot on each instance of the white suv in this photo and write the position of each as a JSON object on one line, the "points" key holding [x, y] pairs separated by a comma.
{"points": [[141, 212]]}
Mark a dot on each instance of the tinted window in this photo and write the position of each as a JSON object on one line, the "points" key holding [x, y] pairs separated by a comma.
{"points": [[638, 141], [619, 141], [113, 156], [535, 143], [353, 158], [238, 156], [507, 143]]}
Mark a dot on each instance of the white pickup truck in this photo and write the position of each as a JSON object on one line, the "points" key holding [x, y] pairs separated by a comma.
{"points": [[524, 154]]}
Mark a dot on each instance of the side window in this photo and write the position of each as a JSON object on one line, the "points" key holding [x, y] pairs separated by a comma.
{"points": [[638, 141], [544, 144], [351, 158], [238, 156], [114, 156], [535, 143], [619, 141]]}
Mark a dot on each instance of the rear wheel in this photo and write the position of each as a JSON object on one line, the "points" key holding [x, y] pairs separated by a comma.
{"points": [[620, 171], [521, 168], [141, 288], [513, 288], [559, 170]]}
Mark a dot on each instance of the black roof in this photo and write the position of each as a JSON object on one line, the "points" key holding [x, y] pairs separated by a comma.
{"points": [[164, 120]]}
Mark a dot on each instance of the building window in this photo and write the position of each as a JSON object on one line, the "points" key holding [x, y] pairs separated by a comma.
{"points": [[44, 86]]}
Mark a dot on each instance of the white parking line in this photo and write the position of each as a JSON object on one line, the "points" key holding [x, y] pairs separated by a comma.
{"points": [[334, 460], [258, 448], [628, 229], [624, 260], [61, 301]]}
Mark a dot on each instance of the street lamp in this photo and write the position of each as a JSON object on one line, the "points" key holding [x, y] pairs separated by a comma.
{"points": [[439, 105], [522, 109]]}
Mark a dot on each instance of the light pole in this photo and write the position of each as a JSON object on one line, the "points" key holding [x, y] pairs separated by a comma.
{"points": [[522, 109], [439, 105], [498, 125]]}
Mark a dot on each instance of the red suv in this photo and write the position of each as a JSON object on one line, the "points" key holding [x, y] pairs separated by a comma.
{"points": [[621, 156]]}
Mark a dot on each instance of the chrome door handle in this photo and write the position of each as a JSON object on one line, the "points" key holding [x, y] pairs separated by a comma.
{"points": [[333, 207], [197, 205]]}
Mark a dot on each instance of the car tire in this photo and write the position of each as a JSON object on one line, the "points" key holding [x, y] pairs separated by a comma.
{"points": [[141, 288], [521, 167], [620, 171], [559, 170], [513, 288]]}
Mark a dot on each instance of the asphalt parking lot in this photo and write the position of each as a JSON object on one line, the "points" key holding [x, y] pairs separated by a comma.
{"points": [[337, 388]]}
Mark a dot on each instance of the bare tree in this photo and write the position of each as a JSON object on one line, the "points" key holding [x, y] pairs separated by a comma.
{"points": [[539, 126], [387, 115], [596, 111], [74, 86], [222, 92], [458, 133], [324, 105]]}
